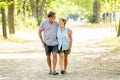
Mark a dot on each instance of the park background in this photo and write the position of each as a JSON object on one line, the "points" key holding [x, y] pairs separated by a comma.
{"points": [[95, 53]]}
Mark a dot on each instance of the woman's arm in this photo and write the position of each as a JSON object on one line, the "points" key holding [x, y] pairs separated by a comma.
{"points": [[70, 36]]}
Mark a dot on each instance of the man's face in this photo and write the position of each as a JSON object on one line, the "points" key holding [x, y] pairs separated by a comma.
{"points": [[52, 18]]}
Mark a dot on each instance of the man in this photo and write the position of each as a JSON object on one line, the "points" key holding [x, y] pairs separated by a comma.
{"points": [[49, 40]]}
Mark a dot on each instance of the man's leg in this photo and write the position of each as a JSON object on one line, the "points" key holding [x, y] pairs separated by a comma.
{"points": [[49, 61], [48, 54], [54, 61], [54, 53]]}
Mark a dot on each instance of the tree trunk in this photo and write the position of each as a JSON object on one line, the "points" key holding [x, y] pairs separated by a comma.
{"points": [[24, 8], [4, 23], [96, 10], [33, 7], [11, 17], [118, 33], [37, 7], [42, 7]]}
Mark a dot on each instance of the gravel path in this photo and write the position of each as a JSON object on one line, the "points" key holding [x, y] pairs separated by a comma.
{"points": [[87, 61]]}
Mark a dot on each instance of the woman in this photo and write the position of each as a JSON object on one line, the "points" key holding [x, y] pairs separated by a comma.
{"points": [[64, 36]]}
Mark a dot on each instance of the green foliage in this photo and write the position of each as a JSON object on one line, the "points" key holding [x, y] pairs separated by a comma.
{"points": [[84, 5], [38, 19], [73, 8], [73, 16], [23, 24], [11, 3], [63, 10], [3, 4], [92, 18]]}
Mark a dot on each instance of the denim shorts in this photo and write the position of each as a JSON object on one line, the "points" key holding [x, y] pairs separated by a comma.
{"points": [[50, 49]]}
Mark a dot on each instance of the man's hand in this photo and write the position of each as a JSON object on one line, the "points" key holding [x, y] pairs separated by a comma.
{"points": [[43, 44]]}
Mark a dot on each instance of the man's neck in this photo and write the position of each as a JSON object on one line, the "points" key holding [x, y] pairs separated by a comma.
{"points": [[51, 22]]}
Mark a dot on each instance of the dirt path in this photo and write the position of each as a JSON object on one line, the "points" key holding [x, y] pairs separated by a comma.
{"points": [[88, 60]]}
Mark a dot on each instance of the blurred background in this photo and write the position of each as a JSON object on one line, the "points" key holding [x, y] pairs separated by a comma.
{"points": [[22, 15]]}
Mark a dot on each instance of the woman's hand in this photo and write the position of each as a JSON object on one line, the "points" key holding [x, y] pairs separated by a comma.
{"points": [[69, 49]]}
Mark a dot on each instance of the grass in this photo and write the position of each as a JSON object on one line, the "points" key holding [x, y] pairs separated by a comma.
{"points": [[112, 41], [12, 38]]}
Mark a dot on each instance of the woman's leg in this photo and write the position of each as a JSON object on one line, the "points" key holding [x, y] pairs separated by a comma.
{"points": [[62, 61], [65, 62]]}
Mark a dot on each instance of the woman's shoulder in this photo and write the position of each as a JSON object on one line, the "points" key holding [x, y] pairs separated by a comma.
{"points": [[69, 31]]}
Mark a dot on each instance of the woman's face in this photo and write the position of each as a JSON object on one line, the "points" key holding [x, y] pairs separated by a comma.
{"points": [[61, 22]]}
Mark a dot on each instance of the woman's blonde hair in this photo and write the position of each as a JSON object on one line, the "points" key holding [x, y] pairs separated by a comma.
{"points": [[63, 20]]}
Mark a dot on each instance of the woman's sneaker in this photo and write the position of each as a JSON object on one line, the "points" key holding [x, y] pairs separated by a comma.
{"points": [[62, 72], [55, 73]]}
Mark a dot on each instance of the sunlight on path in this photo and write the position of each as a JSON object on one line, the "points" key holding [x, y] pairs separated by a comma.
{"points": [[28, 35], [84, 34]]}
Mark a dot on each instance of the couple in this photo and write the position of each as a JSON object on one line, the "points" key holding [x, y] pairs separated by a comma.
{"points": [[56, 38]]}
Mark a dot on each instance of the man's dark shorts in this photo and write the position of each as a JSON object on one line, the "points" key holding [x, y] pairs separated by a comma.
{"points": [[51, 49]]}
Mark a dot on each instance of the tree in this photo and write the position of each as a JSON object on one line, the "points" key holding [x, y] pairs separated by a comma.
{"points": [[96, 10], [11, 17], [33, 7], [41, 11], [4, 23], [118, 33], [37, 7], [42, 7], [2, 7]]}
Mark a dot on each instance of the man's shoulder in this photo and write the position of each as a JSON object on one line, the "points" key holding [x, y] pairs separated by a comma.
{"points": [[45, 20], [56, 23]]}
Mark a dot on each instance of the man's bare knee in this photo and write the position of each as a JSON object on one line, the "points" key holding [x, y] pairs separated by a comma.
{"points": [[54, 55]]}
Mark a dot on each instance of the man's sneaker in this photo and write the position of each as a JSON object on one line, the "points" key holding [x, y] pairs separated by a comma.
{"points": [[55, 73], [50, 73], [62, 72]]}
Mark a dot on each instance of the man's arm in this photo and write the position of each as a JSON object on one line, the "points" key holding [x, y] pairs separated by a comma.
{"points": [[40, 36]]}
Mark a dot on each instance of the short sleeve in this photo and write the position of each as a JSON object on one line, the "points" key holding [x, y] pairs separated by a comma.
{"points": [[41, 26], [56, 23]]}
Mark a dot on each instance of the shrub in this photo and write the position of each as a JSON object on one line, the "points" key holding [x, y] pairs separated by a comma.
{"points": [[23, 23], [92, 18]]}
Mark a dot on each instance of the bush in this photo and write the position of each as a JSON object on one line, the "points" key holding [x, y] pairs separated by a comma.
{"points": [[73, 16], [39, 19], [23, 23], [92, 18]]}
